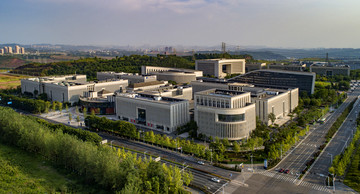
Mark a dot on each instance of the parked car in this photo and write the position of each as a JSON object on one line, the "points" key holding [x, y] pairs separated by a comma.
{"points": [[281, 170], [215, 180], [287, 171]]}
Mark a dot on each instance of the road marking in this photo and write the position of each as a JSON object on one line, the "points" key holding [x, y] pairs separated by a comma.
{"points": [[239, 183]]}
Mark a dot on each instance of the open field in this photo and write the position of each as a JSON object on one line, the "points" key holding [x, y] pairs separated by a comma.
{"points": [[22, 172], [9, 80]]}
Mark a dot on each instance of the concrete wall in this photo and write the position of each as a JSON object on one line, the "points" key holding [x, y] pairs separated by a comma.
{"points": [[170, 116]]}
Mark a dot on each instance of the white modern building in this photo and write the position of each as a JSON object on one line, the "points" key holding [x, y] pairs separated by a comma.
{"points": [[220, 67], [132, 78], [152, 112], [224, 113], [68, 88]]}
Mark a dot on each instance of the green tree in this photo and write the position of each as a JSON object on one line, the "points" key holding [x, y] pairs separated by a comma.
{"points": [[53, 106], [70, 117], [272, 118], [236, 147], [84, 112], [66, 108], [60, 105]]}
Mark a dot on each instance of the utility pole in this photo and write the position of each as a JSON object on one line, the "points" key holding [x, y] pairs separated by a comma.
{"points": [[281, 151], [252, 167]]}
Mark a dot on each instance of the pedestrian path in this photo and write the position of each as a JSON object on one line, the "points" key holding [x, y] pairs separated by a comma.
{"points": [[294, 180]]}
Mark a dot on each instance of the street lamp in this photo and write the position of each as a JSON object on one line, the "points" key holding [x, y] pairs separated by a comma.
{"points": [[145, 155], [211, 156], [333, 181], [111, 143], [252, 167]]}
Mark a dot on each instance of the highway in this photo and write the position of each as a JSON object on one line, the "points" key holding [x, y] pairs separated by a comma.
{"points": [[338, 144], [201, 179]]}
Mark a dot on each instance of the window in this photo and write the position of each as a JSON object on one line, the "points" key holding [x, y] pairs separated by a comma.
{"points": [[125, 119], [231, 118], [160, 127]]}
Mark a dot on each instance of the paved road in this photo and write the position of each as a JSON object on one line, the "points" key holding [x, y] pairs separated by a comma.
{"points": [[337, 145]]}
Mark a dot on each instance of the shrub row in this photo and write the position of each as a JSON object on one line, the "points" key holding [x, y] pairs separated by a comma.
{"points": [[80, 133]]}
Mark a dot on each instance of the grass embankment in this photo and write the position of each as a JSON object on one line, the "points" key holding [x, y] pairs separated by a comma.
{"points": [[352, 178], [8, 81], [22, 172]]}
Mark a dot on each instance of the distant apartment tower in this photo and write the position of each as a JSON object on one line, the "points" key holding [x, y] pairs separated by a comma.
{"points": [[2, 51], [6, 49], [220, 67], [17, 49], [224, 113], [10, 50], [22, 50]]}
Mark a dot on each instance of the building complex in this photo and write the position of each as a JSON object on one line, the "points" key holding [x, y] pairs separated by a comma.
{"points": [[68, 88]]}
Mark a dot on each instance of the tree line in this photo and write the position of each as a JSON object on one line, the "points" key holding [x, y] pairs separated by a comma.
{"points": [[130, 64], [114, 170]]}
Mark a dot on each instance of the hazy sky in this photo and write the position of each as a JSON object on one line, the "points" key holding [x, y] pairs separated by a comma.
{"points": [[273, 23]]}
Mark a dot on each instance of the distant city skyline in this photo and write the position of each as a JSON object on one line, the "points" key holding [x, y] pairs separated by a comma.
{"points": [[263, 23]]}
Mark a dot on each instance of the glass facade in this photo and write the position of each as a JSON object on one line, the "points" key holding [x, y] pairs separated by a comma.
{"points": [[231, 118]]}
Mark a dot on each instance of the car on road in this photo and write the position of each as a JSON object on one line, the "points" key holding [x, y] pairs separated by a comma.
{"points": [[287, 171], [201, 162], [215, 180], [281, 170]]}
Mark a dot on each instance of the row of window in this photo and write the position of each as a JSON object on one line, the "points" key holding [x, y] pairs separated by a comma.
{"points": [[231, 118]]}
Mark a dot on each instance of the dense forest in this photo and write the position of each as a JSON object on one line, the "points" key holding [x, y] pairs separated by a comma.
{"points": [[131, 64]]}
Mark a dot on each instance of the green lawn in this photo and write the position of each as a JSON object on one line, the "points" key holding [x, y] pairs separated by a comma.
{"points": [[22, 172], [352, 178]]}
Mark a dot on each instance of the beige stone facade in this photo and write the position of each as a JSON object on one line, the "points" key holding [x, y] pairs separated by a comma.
{"points": [[224, 113], [152, 112], [69, 88], [220, 67]]}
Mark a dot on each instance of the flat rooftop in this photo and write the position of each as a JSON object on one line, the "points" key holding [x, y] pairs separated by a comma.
{"points": [[152, 98], [222, 93]]}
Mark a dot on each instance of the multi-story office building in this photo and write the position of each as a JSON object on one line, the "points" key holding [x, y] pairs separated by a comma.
{"points": [[146, 86], [220, 67], [68, 88], [327, 70], [145, 70], [287, 67], [305, 81], [281, 102], [174, 74], [181, 92], [224, 113], [153, 112], [254, 66], [277, 101], [132, 78]]}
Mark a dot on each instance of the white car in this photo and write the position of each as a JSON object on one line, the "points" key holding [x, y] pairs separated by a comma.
{"points": [[201, 162], [215, 180]]}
